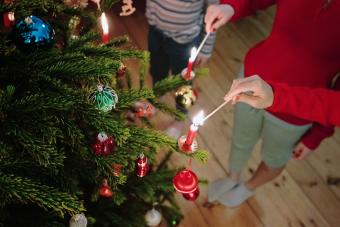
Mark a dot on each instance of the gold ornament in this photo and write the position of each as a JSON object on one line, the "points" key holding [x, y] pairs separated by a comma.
{"points": [[185, 97]]}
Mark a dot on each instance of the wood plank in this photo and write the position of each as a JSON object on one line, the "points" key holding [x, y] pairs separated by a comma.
{"points": [[317, 191], [324, 161]]}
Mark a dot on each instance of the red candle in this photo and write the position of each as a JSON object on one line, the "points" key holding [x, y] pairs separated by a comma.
{"points": [[191, 61], [8, 19], [105, 27], [191, 135], [194, 128]]}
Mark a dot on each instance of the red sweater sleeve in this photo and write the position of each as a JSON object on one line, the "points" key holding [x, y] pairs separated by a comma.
{"points": [[318, 105], [246, 7], [314, 104]]}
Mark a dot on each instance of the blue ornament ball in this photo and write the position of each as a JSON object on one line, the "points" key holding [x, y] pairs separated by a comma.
{"points": [[33, 33]]}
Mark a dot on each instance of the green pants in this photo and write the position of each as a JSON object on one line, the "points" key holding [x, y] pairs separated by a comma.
{"points": [[279, 137]]}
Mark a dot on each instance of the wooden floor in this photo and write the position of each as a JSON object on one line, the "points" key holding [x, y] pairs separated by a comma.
{"points": [[306, 194]]}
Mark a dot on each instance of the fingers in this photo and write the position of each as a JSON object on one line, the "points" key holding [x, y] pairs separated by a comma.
{"points": [[298, 151], [249, 99], [239, 87], [297, 154], [210, 16], [218, 22]]}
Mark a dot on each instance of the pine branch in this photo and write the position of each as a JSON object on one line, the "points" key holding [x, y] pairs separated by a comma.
{"points": [[168, 84], [201, 155], [14, 188], [118, 41], [81, 41], [144, 138], [128, 98], [178, 115], [45, 154], [107, 4], [143, 67], [173, 82]]}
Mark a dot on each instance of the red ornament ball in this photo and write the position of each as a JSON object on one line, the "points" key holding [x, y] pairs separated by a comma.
{"points": [[142, 166], [105, 190], [103, 144], [186, 182]]}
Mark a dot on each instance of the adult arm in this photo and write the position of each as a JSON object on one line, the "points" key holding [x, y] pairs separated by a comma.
{"points": [[208, 46], [218, 15], [314, 104]]}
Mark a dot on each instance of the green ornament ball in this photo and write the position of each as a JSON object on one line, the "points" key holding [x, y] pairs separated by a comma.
{"points": [[105, 98]]}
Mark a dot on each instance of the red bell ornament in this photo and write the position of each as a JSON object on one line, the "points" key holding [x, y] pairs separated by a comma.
{"points": [[192, 196], [103, 144], [186, 182], [142, 166], [105, 190]]}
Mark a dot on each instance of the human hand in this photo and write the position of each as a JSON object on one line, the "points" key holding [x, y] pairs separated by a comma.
{"points": [[251, 90], [201, 60], [217, 15], [301, 151]]}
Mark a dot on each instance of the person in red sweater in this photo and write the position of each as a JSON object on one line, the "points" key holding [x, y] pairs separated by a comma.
{"points": [[302, 50], [279, 97]]}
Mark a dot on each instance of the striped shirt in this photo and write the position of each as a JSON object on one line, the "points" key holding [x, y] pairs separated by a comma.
{"points": [[181, 20]]}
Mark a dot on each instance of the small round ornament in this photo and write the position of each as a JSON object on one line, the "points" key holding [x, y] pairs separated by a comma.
{"points": [[142, 166], [33, 33], [186, 182], [185, 97], [104, 97], [105, 190], [103, 144], [78, 220], [144, 109], [153, 217]]}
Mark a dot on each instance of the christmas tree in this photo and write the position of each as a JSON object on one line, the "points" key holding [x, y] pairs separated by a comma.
{"points": [[66, 146]]}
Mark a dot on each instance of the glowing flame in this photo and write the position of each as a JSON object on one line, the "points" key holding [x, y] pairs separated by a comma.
{"points": [[11, 16], [105, 26], [198, 119], [193, 54]]}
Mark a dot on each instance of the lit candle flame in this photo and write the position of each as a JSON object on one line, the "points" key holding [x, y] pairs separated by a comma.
{"points": [[193, 54], [198, 119], [105, 25]]}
